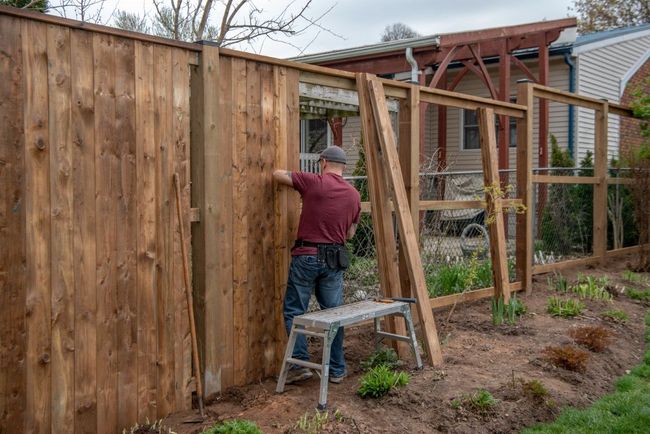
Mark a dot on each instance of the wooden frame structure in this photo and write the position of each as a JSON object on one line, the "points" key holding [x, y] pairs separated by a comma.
{"points": [[96, 121]]}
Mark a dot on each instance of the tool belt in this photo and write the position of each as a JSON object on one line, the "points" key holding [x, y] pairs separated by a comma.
{"points": [[334, 255]]}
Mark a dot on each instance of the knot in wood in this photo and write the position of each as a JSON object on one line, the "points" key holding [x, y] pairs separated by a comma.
{"points": [[44, 359], [40, 144]]}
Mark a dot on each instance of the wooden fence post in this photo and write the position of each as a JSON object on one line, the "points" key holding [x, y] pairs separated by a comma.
{"points": [[600, 189], [524, 245]]}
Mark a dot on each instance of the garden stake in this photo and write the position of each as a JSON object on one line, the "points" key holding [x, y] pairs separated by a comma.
{"points": [[188, 295]]}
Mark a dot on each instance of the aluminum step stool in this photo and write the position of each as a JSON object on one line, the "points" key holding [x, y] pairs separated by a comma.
{"points": [[326, 323]]}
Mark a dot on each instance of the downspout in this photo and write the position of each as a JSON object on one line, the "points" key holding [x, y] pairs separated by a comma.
{"points": [[572, 85], [414, 65]]}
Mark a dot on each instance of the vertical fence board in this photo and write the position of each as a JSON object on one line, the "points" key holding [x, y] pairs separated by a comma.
{"points": [[165, 319], [600, 189], [240, 223], [84, 241], [224, 183], [37, 209], [62, 252], [126, 236], [181, 131], [107, 167], [280, 229], [12, 229], [524, 243], [146, 231]]}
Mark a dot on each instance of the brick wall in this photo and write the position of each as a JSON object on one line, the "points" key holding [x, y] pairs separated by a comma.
{"points": [[630, 133]]}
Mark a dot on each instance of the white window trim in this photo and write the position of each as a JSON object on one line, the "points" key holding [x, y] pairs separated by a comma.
{"points": [[303, 132]]}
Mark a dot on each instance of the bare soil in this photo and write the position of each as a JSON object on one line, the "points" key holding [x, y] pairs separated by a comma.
{"points": [[476, 355]]}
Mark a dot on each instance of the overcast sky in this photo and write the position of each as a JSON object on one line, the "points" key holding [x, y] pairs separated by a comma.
{"points": [[361, 22]]}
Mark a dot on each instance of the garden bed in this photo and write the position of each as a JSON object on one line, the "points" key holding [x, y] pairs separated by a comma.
{"points": [[508, 361]]}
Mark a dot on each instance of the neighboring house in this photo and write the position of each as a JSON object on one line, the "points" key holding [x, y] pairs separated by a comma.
{"points": [[603, 65]]}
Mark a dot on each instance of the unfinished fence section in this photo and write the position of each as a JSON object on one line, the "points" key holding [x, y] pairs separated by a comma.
{"points": [[94, 332]]}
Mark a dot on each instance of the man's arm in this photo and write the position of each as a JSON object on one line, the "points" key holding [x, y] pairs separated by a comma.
{"points": [[283, 177], [352, 231]]}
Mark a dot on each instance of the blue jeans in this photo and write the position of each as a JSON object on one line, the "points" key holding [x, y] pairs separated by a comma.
{"points": [[306, 274]]}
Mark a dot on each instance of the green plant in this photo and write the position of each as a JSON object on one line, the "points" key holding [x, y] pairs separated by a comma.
{"points": [[234, 426], [558, 282], [535, 389], [506, 312], [616, 315], [384, 356], [637, 295], [631, 276], [380, 380], [154, 428], [595, 338], [567, 357], [565, 308], [312, 423], [480, 401], [591, 287]]}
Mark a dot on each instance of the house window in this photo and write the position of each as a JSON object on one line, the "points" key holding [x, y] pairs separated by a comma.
{"points": [[315, 135], [470, 130]]}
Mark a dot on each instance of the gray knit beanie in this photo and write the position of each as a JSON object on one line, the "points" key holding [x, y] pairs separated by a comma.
{"points": [[334, 154]]}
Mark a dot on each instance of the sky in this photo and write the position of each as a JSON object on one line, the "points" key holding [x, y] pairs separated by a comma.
{"points": [[351, 23]]}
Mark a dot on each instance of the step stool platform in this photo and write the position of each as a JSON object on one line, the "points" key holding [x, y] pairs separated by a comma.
{"points": [[326, 323]]}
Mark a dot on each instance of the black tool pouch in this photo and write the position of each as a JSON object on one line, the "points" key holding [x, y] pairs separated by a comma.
{"points": [[336, 257], [343, 258]]}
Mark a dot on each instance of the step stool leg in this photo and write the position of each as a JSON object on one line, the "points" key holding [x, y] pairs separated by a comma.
{"points": [[287, 355], [324, 379], [378, 338], [411, 331]]}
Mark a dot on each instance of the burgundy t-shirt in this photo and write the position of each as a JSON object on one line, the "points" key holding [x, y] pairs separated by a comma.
{"points": [[330, 205]]}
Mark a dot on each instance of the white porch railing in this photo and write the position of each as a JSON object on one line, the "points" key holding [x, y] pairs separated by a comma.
{"points": [[309, 162]]}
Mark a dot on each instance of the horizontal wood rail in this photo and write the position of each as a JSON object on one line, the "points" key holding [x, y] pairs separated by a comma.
{"points": [[467, 296], [550, 179], [615, 181], [439, 205], [545, 268], [561, 96]]}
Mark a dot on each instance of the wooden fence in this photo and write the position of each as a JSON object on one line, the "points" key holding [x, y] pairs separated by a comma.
{"points": [[93, 326]]}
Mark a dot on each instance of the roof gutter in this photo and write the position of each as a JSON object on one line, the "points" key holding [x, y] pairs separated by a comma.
{"points": [[414, 65], [572, 89]]}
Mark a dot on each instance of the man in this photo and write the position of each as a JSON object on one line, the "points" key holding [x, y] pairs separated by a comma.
{"points": [[330, 213]]}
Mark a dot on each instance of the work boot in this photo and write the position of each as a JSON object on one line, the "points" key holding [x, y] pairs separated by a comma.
{"points": [[298, 374], [338, 380]]}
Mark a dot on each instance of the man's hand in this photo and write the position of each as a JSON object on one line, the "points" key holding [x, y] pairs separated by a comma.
{"points": [[352, 231], [283, 177]]}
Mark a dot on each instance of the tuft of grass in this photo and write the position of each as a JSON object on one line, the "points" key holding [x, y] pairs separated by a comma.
{"points": [[535, 389], [616, 315], [309, 423], [385, 356], [567, 357], [595, 338], [234, 426], [565, 308], [558, 283], [380, 380], [480, 401], [631, 276], [592, 287], [637, 295], [507, 312]]}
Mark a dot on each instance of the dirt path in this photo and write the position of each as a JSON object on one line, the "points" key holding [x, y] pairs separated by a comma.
{"points": [[476, 355]]}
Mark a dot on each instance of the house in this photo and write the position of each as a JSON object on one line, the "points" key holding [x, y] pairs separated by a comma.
{"points": [[488, 63]]}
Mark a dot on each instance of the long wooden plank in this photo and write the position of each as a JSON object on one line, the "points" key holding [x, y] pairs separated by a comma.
{"points": [[497, 234], [600, 189], [126, 236], [106, 165], [426, 205], [240, 225], [554, 179], [382, 221], [545, 268], [181, 129], [267, 165], [37, 213], [466, 297], [164, 316], [404, 219], [280, 229], [12, 229], [84, 240], [225, 319], [62, 251], [620, 181], [524, 243], [146, 157]]}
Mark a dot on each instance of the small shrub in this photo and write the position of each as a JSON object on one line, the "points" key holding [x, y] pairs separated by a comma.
{"points": [[380, 380], [593, 337], [480, 401], [535, 389], [568, 308], [592, 287], [385, 356], [637, 295], [154, 428], [567, 357], [312, 423], [616, 315], [234, 426]]}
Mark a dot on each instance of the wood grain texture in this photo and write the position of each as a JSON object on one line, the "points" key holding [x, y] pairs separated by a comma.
{"points": [[496, 229], [37, 213], [84, 239], [106, 165], [62, 249], [12, 229], [600, 189], [146, 157], [126, 236], [404, 218], [524, 243]]}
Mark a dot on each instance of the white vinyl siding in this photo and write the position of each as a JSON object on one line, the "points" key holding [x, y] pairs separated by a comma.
{"points": [[599, 74]]}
